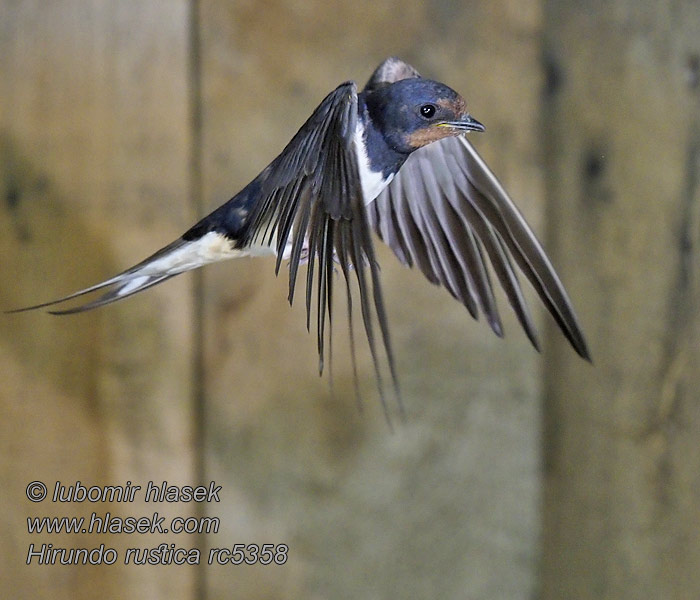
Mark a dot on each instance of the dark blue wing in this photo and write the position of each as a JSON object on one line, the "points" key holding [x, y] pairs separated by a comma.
{"points": [[312, 205]]}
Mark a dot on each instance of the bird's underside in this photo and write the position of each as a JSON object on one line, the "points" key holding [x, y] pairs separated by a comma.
{"points": [[443, 211]]}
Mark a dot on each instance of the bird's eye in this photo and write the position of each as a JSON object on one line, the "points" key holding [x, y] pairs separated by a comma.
{"points": [[427, 111]]}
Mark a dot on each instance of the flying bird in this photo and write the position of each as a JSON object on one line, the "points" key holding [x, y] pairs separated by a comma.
{"points": [[392, 158]]}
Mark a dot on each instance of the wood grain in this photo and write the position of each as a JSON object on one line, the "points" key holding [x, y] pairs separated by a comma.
{"points": [[623, 158], [121, 122], [367, 513], [94, 143]]}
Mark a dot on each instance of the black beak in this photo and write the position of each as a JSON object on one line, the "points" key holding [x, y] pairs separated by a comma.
{"points": [[466, 123]]}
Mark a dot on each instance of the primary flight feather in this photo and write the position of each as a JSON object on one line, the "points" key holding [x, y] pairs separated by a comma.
{"points": [[392, 158]]}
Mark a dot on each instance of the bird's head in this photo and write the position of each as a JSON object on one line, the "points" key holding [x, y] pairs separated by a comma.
{"points": [[412, 113]]}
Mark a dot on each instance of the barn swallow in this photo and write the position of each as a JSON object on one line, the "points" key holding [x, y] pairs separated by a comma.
{"points": [[393, 159]]}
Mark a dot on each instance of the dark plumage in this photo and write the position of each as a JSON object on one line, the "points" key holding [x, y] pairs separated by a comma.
{"points": [[391, 158]]}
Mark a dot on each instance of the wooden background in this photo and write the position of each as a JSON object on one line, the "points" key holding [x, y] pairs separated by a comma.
{"points": [[516, 475]]}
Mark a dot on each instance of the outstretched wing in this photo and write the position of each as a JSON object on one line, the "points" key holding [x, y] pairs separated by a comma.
{"points": [[446, 212], [312, 206], [391, 70], [307, 205]]}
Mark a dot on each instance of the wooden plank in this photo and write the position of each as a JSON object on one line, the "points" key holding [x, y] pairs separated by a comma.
{"points": [[622, 455], [447, 505], [94, 150]]}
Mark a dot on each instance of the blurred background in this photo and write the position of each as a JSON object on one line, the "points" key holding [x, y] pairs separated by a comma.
{"points": [[516, 475]]}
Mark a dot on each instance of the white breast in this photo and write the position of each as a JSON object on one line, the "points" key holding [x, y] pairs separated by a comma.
{"points": [[372, 182]]}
